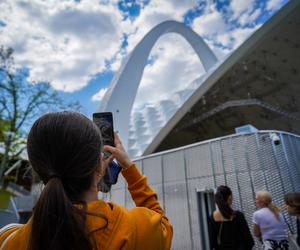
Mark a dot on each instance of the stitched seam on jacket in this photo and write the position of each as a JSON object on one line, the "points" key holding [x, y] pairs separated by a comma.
{"points": [[9, 226], [116, 222]]}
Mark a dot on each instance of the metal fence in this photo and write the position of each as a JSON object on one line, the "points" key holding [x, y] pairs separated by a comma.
{"points": [[245, 162]]}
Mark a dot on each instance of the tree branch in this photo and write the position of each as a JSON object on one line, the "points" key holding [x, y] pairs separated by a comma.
{"points": [[3, 102], [18, 152], [2, 86], [33, 103]]}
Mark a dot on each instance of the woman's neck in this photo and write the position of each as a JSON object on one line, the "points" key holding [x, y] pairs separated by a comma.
{"points": [[263, 206], [218, 216], [90, 195]]}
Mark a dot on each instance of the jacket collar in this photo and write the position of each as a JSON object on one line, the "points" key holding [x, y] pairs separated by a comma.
{"points": [[102, 215], [98, 215]]}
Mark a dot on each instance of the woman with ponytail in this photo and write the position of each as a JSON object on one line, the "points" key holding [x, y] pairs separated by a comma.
{"points": [[268, 223], [228, 229], [64, 149]]}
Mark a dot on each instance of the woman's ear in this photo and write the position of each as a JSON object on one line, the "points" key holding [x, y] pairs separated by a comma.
{"points": [[105, 162], [229, 201], [99, 171]]}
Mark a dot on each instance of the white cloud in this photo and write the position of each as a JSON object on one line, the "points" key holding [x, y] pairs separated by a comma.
{"points": [[63, 42], [212, 26], [66, 43], [274, 4], [153, 14], [239, 7], [210, 23], [176, 66], [99, 95], [241, 34], [215, 29], [247, 18]]}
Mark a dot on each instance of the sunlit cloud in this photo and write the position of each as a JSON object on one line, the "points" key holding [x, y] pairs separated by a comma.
{"points": [[69, 42]]}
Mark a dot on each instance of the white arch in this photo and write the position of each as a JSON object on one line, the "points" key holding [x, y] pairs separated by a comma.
{"points": [[121, 93]]}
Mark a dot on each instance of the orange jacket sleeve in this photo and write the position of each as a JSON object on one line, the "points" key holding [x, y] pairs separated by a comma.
{"points": [[153, 227], [7, 232]]}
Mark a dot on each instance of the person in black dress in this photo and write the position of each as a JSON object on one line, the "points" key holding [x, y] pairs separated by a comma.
{"points": [[228, 229], [292, 202]]}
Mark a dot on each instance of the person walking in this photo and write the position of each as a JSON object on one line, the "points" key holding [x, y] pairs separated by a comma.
{"points": [[64, 149], [228, 229], [292, 202], [268, 223]]}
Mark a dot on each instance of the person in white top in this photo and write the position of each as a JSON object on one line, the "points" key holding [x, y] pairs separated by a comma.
{"points": [[268, 223]]}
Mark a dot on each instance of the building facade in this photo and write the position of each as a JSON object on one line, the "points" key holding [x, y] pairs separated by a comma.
{"points": [[185, 179]]}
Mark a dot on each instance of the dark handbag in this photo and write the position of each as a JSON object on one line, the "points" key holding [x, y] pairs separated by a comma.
{"points": [[220, 234]]}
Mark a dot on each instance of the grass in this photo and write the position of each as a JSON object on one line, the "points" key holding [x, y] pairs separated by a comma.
{"points": [[4, 199]]}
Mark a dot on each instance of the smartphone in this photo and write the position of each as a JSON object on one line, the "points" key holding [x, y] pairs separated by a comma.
{"points": [[104, 122]]}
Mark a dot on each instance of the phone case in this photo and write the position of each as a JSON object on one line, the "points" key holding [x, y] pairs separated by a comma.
{"points": [[113, 171]]}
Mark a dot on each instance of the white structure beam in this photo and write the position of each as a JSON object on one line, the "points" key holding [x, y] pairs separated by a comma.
{"points": [[121, 93]]}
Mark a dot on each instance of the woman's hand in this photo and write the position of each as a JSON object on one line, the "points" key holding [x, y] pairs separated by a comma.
{"points": [[118, 152], [256, 231]]}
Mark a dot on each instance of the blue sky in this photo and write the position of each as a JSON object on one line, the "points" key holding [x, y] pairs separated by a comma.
{"points": [[79, 45]]}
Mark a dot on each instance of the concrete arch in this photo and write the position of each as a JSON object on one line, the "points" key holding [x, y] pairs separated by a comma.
{"points": [[121, 93]]}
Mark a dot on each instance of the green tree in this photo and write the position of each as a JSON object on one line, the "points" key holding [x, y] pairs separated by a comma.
{"points": [[3, 127], [21, 101]]}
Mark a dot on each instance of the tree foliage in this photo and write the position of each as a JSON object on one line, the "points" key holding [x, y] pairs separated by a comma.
{"points": [[21, 101]]}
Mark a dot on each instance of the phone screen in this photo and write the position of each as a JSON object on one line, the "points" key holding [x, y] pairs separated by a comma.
{"points": [[104, 121]]}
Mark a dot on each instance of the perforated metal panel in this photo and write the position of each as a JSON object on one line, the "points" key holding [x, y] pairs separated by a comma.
{"points": [[245, 162], [177, 210], [292, 158]]}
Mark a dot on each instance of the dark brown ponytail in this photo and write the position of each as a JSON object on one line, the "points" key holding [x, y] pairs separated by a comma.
{"points": [[64, 149], [221, 198], [57, 223]]}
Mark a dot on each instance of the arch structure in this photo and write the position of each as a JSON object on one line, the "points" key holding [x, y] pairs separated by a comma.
{"points": [[135, 129]]}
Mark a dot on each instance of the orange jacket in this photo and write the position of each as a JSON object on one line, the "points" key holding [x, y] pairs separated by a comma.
{"points": [[142, 228]]}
